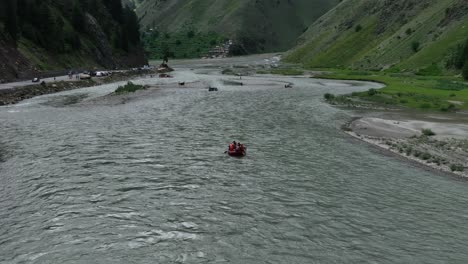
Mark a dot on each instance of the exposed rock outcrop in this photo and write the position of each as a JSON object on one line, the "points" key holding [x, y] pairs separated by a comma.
{"points": [[13, 64], [103, 50]]}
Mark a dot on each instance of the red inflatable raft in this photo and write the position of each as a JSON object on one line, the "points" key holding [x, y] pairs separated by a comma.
{"points": [[235, 153]]}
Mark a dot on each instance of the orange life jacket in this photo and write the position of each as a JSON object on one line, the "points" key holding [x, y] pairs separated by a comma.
{"points": [[231, 147]]}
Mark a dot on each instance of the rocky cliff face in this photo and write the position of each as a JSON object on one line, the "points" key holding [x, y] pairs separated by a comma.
{"points": [[13, 64], [37, 37], [103, 49]]}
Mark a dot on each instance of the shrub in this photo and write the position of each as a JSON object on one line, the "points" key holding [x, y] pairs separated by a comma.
{"points": [[465, 71], [428, 132], [457, 167], [415, 46], [128, 88], [372, 92], [358, 28], [329, 96], [425, 105], [426, 156], [409, 150], [409, 31], [190, 34], [449, 108]]}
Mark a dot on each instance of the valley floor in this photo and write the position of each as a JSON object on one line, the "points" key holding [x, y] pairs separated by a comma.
{"points": [[402, 116], [395, 116]]}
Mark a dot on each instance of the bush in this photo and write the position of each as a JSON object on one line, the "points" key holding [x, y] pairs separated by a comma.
{"points": [[372, 92], [426, 156], [358, 28], [457, 167], [128, 88], [415, 46], [465, 71], [190, 34], [428, 132], [329, 96], [409, 150], [425, 106]]}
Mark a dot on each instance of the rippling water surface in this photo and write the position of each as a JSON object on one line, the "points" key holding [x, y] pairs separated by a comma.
{"points": [[147, 182]]}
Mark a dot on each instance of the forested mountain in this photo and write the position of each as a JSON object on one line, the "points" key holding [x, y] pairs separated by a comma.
{"points": [[46, 35], [422, 36], [254, 25]]}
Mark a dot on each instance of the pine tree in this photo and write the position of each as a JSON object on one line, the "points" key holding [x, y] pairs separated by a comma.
{"points": [[12, 20], [131, 25], [115, 9], [465, 70], [78, 17]]}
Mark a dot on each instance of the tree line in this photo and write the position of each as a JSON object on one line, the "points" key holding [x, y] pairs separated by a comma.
{"points": [[61, 25], [459, 59]]}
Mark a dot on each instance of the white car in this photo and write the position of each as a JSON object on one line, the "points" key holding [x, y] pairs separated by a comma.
{"points": [[85, 76]]}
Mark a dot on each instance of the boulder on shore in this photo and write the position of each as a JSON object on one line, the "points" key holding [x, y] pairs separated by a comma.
{"points": [[164, 68]]}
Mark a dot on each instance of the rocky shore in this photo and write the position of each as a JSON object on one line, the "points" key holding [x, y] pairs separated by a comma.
{"points": [[442, 146], [15, 95]]}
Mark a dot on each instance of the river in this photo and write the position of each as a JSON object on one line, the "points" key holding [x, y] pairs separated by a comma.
{"points": [[83, 181]]}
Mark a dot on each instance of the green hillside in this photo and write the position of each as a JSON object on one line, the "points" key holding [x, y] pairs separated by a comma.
{"points": [[45, 35], [255, 26], [419, 36]]}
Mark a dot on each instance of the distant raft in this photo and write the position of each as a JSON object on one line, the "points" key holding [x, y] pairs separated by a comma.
{"points": [[237, 153]]}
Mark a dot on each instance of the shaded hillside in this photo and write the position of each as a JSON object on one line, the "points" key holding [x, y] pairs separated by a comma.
{"points": [[44, 35], [255, 26], [421, 36]]}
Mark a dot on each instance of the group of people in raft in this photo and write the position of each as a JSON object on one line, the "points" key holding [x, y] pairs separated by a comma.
{"points": [[237, 147]]}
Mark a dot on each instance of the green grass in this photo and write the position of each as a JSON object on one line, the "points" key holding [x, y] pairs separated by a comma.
{"points": [[418, 92], [349, 48], [383, 44], [129, 88]]}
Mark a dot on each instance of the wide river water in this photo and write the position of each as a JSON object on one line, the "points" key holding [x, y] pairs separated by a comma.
{"points": [[83, 180]]}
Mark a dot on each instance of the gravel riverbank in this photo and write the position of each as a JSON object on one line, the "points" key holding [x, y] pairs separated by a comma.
{"points": [[446, 150], [16, 94]]}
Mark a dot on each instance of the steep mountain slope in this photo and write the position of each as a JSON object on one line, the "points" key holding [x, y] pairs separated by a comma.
{"points": [[399, 35], [256, 26], [44, 35]]}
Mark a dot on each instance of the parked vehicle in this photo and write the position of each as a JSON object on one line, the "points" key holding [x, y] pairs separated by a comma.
{"points": [[85, 76], [36, 79]]}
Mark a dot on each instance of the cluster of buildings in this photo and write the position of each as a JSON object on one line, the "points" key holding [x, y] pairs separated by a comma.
{"points": [[220, 51]]}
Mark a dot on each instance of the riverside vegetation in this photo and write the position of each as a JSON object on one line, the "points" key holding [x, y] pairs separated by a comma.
{"points": [[128, 88], [418, 49]]}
